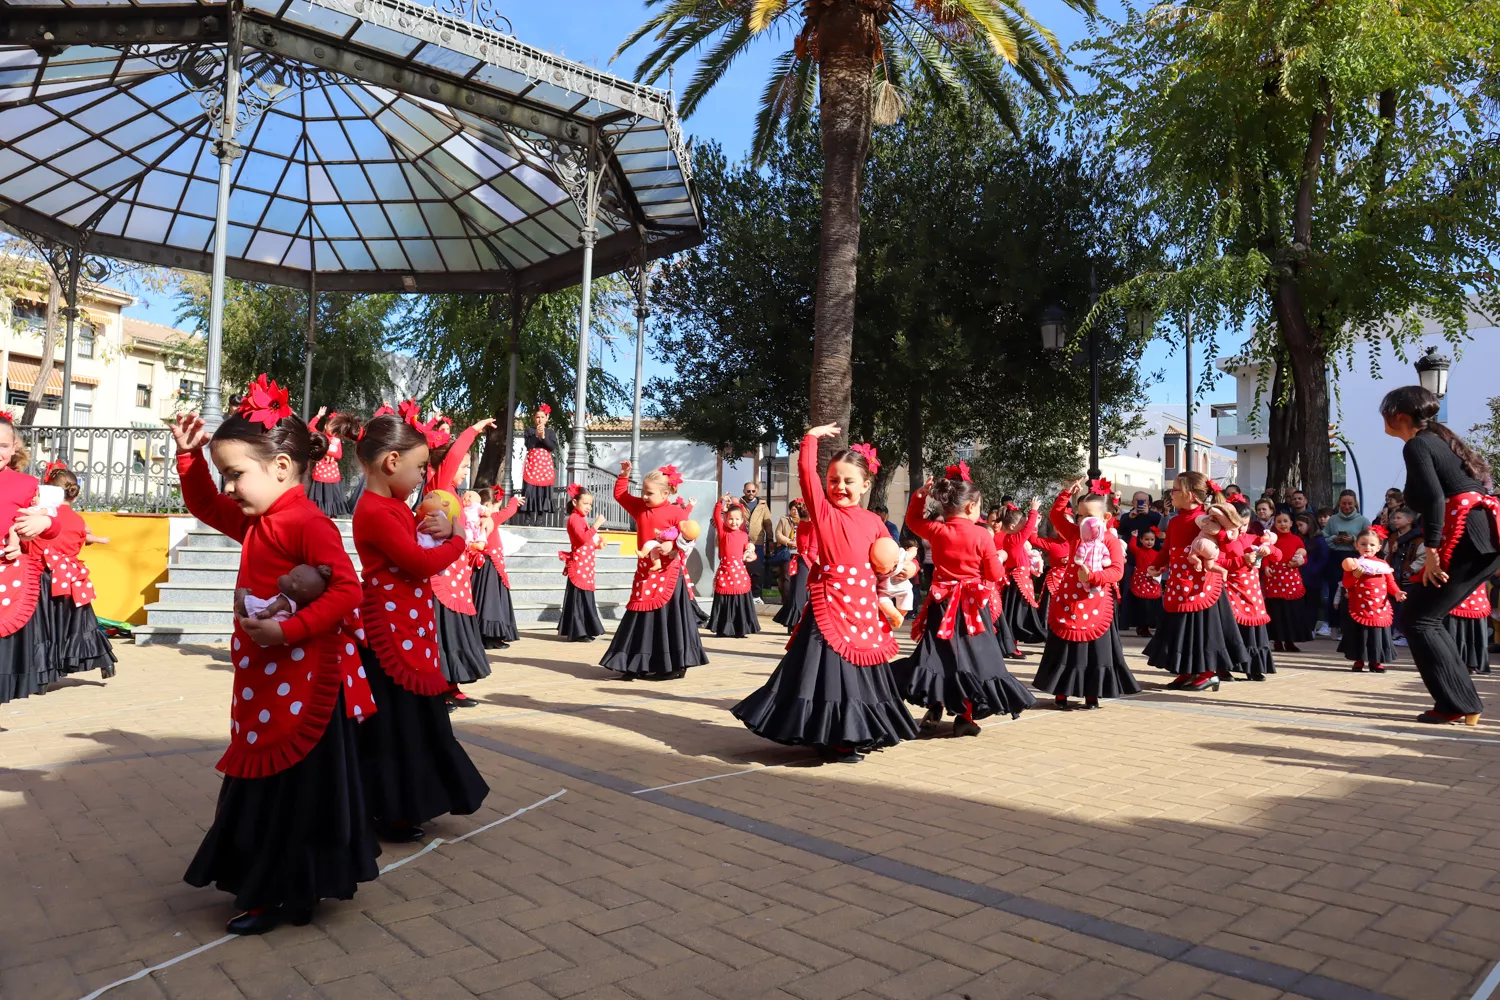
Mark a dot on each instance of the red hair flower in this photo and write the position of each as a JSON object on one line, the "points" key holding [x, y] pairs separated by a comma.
{"points": [[544, 408], [1101, 487], [53, 466], [1011, 505], [7, 416], [1214, 487], [574, 490], [265, 403], [1379, 531], [1237, 498], [436, 433], [868, 451], [959, 471], [674, 478]]}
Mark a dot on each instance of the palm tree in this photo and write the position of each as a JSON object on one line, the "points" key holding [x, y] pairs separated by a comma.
{"points": [[856, 54]]}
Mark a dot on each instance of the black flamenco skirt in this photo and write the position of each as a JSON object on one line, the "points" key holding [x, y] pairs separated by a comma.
{"points": [[298, 836], [413, 767], [580, 614], [460, 646], [1198, 642], [656, 643], [698, 613], [27, 664], [80, 645], [733, 616], [966, 668], [1086, 669], [1258, 645], [330, 498], [1145, 612], [1370, 643], [1471, 636], [1290, 620], [1009, 648], [815, 697], [497, 618], [796, 601], [538, 499], [1026, 623]]}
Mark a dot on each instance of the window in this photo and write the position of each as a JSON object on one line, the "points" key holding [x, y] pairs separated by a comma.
{"points": [[15, 397], [189, 389], [83, 414], [84, 343], [144, 379], [1171, 462], [28, 314]]}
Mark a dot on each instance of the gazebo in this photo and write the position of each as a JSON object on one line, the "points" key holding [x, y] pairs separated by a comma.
{"points": [[350, 145]]}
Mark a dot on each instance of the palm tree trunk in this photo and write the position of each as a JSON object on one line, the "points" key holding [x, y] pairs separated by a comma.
{"points": [[846, 42], [49, 348]]}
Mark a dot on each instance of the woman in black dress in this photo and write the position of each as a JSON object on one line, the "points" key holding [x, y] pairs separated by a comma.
{"points": [[539, 471], [1448, 484]]}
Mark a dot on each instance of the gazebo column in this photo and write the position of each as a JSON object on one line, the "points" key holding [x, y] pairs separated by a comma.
{"points": [[75, 264], [642, 282], [578, 457], [312, 338], [228, 151]]}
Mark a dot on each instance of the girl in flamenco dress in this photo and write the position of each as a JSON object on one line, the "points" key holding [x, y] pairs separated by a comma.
{"points": [[1369, 588], [1020, 606], [658, 637], [490, 583], [79, 645], [1055, 550], [834, 688], [1083, 657], [28, 662], [539, 468], [326, 488], [414, 768], [733, 615], [1245, 558], [1286, 589], [803, 556], [958, 665], [579, 621], [292, 824], [1145, 589]]}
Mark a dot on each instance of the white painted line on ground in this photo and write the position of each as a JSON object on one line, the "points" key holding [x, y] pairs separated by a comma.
{"points": [[390, 867], [1487, 988], [711, 777]]}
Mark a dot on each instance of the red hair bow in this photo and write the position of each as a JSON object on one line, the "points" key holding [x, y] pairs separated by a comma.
{"points": [[868, 451], [7, 417], [265, 403], [54, 466], [1213, 487], [1101, 487], [959, 471], [1011, 505], [574, 490], [544, 408], [1237, 498], [674, 478], [384, 409], [1380, 531]]}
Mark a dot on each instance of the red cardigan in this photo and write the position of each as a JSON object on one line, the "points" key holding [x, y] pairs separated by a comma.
{"points": [[961, 550], [284, 695], [841, 586], [494, 551], [21, 578], [1017, 565], [651, 589], [1082, 612], [397, 606]]}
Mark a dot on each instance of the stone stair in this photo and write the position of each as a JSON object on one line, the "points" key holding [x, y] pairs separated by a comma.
{"points": [[196, 602]]}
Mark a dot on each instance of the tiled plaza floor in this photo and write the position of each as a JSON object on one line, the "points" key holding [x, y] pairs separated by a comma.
{"points": [[1297, 838]]}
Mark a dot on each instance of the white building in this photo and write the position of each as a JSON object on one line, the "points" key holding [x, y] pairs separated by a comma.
{"points": [[1153, 458], [1373, 460]]}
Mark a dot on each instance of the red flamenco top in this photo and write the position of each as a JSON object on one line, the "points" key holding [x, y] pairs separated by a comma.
{"points": [[1056, 550], [326, 469], [284, 695], [1246, 599], [18, 579], [1142, 583], [494, 550], [1370, 597], [1283, 580], [1017, 562], [841, 585], [1081, 612], [1186, 590], [396, 608], [579, 561], [1476, 605], [730, 576], [652, 588], [70, 577], [965, 570], [539, 468]]}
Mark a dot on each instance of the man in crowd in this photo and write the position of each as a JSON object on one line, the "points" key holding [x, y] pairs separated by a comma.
{"points": [[1343, 526], [884, 514], [758, 521]]}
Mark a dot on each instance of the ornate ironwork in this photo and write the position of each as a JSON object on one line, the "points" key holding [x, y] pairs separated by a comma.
{"points": [[118, 468], [480, 12], [267, 78]]}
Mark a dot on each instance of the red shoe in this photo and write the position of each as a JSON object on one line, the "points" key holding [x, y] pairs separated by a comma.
{"points": [[1359, 666]]}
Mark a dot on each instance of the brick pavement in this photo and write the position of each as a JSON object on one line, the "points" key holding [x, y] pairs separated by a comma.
{"points": [[1300, 837]]}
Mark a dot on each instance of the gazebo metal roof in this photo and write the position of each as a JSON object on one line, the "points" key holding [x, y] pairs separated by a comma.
{"points": [[386, 145]]}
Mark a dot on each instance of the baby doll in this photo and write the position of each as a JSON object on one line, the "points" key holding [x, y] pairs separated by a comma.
{"points": [[893, 590], [1093, 551], [1204, 550], [1255, 556], [440, 501], [749, 552], [474, 518], [1367, 566], [662, 549], [299, 587]]}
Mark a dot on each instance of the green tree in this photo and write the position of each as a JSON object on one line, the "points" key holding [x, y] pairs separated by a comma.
{"points": [[265, 330], [854, 56], [1326, 170]]}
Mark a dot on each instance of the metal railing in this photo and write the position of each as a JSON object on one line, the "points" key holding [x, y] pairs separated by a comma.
{"points": [[118, 468]]}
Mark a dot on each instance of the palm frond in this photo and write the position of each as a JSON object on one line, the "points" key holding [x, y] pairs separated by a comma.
{"points": [[763, 13], [715, 64], [676, 40], [986, 17], [789, 94]]}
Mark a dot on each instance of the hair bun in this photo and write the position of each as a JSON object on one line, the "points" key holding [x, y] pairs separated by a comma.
{"points": [[317, 444]]}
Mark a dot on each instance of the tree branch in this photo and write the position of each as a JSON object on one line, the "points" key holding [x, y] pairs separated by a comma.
{"points": [[1312, 162]]}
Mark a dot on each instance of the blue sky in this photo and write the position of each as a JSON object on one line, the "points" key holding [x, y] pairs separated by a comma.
{"points": [[588, 31]]}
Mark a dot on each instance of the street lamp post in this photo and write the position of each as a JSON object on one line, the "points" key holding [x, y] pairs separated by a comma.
{"points": [[1432, 372], [1054, 328]]}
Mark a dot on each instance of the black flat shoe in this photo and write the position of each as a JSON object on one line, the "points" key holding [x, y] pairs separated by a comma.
{"points": [[464, 702], [1063, 706], [296, 916], [255, 921], [929, 724], [1090, 704], [393, 833], [625, 677], [965, 727], [849, 756]]}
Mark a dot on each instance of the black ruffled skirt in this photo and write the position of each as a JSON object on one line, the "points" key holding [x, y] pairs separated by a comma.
{"points": [[298, 836], [796, 601], [1369, 643], [657, 643], [1472, 637], [1009, 648], [538, 500], [733, 616], [29, 663], [1258, 646], [1025, 622], [413, 766], [460, 646], [1290, 619], [815, 697], [580, 614], [330, 498], [1145, 612], [1092, 669], [1198, 642], [964, 669], [79, 643], [497, 618]]}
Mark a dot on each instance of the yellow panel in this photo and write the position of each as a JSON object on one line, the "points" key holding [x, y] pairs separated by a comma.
{"points": [[624, 539], [127, 571]]}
